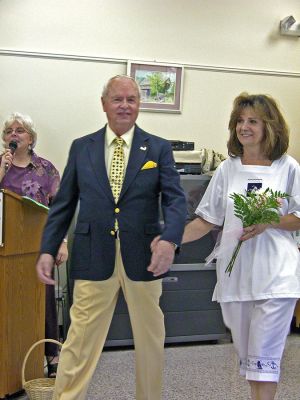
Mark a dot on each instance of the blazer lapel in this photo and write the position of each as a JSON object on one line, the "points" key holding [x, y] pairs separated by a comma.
{"points": [[96, 148], [138, 153]]}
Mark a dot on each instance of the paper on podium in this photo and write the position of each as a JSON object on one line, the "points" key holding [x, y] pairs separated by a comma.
{"points": [[34, 203]]}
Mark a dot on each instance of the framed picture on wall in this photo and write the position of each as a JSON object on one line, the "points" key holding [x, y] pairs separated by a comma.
{"points": [[161, 85]]}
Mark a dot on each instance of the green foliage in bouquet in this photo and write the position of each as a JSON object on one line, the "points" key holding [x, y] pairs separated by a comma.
{"points": [[257, 207]]}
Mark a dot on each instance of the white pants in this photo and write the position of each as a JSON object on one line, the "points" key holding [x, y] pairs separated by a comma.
{"points": [[259, 330]]}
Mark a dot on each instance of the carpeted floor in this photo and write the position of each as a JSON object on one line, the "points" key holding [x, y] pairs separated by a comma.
{"points": [[193, 372]]}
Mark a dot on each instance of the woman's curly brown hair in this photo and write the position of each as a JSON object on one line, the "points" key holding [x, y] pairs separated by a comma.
{"points": [[276, 140]]}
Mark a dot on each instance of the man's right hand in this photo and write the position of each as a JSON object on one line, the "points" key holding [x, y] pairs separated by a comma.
{"points": [[44, 268]]}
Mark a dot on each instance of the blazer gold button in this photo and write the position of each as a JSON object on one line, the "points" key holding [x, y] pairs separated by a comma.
{"points": [[117, 210], [112, 233]]}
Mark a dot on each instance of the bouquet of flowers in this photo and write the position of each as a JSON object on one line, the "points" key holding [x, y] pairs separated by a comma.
{"points": [[256, 207]]}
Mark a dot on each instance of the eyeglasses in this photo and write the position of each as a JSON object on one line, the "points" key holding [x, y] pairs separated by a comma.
{"points": [[17, 130]]}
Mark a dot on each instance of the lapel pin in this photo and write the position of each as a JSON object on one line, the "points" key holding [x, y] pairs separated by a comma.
{"points": [[143, 148]]}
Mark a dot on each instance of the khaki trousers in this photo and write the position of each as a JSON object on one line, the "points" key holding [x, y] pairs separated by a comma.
{"points": [[91, 314]]}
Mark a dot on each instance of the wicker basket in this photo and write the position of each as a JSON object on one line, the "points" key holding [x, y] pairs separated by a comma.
{"points": [[41, 388]]}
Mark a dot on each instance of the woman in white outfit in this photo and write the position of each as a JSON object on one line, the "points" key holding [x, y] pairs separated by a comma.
{"points": [[259, 297]]}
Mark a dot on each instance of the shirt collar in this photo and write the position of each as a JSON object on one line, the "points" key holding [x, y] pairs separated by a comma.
{"points": [[127, 136]]}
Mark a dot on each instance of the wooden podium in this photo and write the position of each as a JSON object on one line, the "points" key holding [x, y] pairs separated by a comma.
{"points": [[22, 296]]}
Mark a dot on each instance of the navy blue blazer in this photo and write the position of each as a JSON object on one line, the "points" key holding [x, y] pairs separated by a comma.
{"points": [[85, 180]]}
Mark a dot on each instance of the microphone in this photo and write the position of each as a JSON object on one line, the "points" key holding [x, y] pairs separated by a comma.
{"points": [[13, 147]]}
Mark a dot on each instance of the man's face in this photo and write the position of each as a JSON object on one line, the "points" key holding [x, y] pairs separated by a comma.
{"points": [[121, 105]]}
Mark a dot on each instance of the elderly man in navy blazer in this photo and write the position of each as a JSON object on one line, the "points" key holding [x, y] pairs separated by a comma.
{"points": [[112, 242]]}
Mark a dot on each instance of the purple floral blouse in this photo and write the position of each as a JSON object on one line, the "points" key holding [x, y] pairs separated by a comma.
{"points": [[39, 180]]}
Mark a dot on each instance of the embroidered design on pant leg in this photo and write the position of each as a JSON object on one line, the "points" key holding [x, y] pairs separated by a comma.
{"points": [[268, 365]]}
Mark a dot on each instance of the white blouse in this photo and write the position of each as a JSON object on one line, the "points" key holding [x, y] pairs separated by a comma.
{"points": [[267, 266]]}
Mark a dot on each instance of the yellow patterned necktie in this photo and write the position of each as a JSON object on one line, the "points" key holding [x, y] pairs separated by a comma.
{"points": [[117, 168]]}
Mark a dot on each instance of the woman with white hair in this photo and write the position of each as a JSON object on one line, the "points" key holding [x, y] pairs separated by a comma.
{"points": [[22, 171]]}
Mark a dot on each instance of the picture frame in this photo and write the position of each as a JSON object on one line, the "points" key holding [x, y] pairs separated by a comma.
{"points": [[161, 85]]}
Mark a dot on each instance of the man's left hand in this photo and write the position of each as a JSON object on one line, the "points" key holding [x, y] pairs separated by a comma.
{"points": [[162, 257]]}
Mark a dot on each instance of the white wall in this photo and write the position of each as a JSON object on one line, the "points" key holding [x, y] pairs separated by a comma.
{"points": [[63, 96]]}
